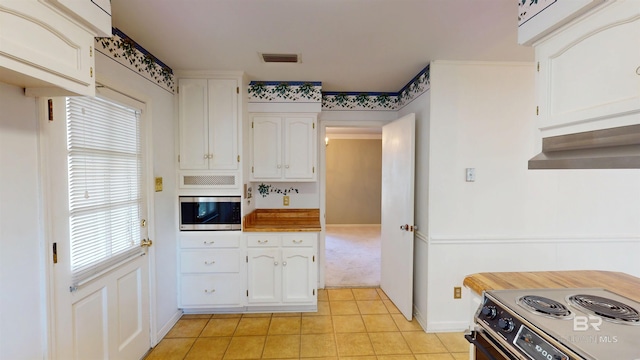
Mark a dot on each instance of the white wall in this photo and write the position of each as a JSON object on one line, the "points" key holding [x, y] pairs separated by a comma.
{"points": [[22, 284], [511, 218], [163, 224]]}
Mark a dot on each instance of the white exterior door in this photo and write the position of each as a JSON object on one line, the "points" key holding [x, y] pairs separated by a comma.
{"points": [[398, 162], [106, 317]]}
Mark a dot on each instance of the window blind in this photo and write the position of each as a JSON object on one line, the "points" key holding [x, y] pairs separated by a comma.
{"points": [[105, 180]]}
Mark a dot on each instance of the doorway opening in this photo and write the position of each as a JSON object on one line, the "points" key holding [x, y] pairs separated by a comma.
{"points": [[353, 165]]}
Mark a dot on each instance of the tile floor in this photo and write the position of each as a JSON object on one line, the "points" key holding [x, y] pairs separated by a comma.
{"points": [[358, 323]]}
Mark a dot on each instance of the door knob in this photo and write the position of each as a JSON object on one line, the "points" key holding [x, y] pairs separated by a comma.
{"points": [[404, 227], [146, 242]]}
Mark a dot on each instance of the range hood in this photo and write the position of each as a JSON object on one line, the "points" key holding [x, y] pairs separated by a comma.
{"points": [[614, 148]]}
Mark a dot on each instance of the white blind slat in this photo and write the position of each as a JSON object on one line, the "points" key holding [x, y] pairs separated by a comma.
{"points": [[105, 172]]}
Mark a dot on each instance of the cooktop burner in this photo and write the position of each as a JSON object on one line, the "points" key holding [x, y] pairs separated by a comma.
{"points": [[544, 306], [609, 309]]}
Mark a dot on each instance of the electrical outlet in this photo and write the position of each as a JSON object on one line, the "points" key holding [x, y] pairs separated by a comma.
{"points": [[470, 174], [285, 200], [457, 292]]}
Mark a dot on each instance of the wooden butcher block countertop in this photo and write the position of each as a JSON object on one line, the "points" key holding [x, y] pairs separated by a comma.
{"points": [[621, 283], [282, 220]]}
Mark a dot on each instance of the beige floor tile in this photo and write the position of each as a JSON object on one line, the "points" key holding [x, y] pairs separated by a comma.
{"points": [[220, 327], [391, 307], [461, 356], [226, 316], [372, 307], [454, 341], [443, 356], [282, 347], [348, 323], [187, 328], [344, 308], [286, 314], [322, 295], [285, 326], [422, 343], [404, 325], [379, 323], [354, 344], [372, 357], [253, 326], [316, 325], [195, 316], [245, 347], [323, 309], [208, 348], [366, 294], [340, 294], [382, 294], [317, 345], [170, 349], [395, 357], [389, 343], [257, 315]]}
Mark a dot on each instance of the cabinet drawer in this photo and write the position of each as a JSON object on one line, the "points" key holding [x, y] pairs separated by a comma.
{"points": [[263, 240], [210, 239], [305, 240], [208, 261], [219, 289]]}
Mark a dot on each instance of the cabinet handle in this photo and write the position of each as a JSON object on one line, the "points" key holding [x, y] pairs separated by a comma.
{"points": [[297, 241], [284, 263], [209, 291], [209, 262], [263, 241], [275, 263], [208, 242]]}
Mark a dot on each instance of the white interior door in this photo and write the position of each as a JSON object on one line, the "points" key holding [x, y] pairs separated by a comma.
{"points": [[398, 162], [107, 316]]}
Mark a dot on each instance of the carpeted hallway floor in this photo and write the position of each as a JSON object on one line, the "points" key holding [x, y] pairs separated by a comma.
{"points": [[352, 255]]}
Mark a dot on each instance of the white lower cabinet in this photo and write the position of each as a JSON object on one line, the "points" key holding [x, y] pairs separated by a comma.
{"points": [[211, 270], [282, 270]]}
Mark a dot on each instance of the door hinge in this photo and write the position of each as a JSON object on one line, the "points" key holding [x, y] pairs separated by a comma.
{"points": [[178, 89], [50, 107], [55, 253], [90, 51], [252, 124], [247, 258], [252, 169], [247, 293], [178, 158], [238, 158], [314, 125], [313, 169], [237, 90], [314, 292], [537, 110], [313, 258], [538, 66]]}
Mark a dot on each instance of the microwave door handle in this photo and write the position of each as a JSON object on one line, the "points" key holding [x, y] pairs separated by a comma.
{"points": [[471, 338]]}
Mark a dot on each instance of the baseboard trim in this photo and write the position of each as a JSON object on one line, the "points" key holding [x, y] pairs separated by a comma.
{"points": [[554, 239], [164, 330], [422, 320]]}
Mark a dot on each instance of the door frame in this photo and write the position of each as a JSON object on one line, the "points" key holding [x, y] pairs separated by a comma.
{"points": [[117, 95], [322, 178]]}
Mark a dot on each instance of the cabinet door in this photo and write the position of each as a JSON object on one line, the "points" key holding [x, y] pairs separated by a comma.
{"points": [[223, 124], [267, 147], [264, 275], [588, 76], [299, 148], [194, 124], [298, 275]]}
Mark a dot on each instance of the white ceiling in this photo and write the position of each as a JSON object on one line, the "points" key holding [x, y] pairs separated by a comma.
{"points": [[348, 45]]}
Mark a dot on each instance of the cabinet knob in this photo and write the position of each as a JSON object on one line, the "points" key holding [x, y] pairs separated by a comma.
{"points": [[286, 166], [209, 291], [279, 166], [284, 263], [206, 156], [275, 263], [638, 70], [209, 262]]}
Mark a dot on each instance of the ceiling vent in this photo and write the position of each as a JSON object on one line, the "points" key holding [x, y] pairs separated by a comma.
{"points": [[280, 58]]}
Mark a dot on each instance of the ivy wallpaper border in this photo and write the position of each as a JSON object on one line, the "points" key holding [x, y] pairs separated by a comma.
{"points": [[285, 91], [127, 52], [528, 9]]}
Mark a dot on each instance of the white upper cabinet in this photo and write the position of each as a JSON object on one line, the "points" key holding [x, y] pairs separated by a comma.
{"points": [[540, 17], [284, 147], [96, 14], [208, 111], [589, 72], [43, 49]]}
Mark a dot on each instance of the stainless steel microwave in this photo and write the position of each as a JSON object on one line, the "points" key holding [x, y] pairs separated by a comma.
{"points": [[210, 213]]}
